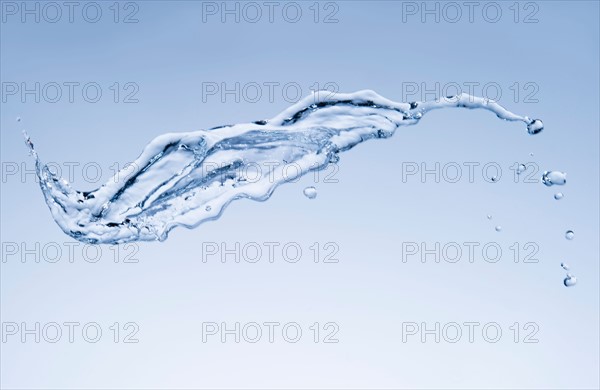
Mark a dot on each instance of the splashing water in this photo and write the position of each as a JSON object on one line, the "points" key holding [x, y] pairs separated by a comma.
{"points": [[179, 174]]}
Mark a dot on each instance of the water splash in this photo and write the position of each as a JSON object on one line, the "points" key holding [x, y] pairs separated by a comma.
{"points": [[178, 175]]}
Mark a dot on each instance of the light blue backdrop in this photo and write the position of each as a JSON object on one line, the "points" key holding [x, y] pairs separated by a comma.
{"points": [[369, 213]]}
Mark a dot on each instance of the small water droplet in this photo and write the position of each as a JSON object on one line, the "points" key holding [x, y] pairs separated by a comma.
{"points": [[569, 235], [208, 208], [570, 280], [18, 119], [535, 126], [551, 178], [310, 192], [531, 154], [565, 266], [498, 228], [558, 195], [489, 216], [521, 168], [494, 179]]}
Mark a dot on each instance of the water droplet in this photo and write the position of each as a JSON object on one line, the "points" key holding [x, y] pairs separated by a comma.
{"points": [[558, 195], [208, 208], [498, 228], [18, 119], [570, 280], [565, 266], [489, 217], [494, 179], [535, 126], [530, 154], [569, 235], [310, 192], [521, 168], [551, 178]]}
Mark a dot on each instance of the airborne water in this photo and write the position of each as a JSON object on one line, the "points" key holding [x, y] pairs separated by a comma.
{"points": [[185, 179], [551, 178], [310, 192]]}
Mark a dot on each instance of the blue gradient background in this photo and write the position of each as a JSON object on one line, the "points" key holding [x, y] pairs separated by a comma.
{"points": [[368, 213]]}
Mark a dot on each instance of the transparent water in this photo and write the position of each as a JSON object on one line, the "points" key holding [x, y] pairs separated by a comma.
{"points": [[185, 179], [551, 178], [310, 192]]}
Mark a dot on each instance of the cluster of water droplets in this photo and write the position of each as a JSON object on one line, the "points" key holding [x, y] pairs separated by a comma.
{"points": [[554, 178], [549, 179], [569, 280]]}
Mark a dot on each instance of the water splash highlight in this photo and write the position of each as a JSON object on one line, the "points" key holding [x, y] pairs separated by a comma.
{"points": [[185, 179]]}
